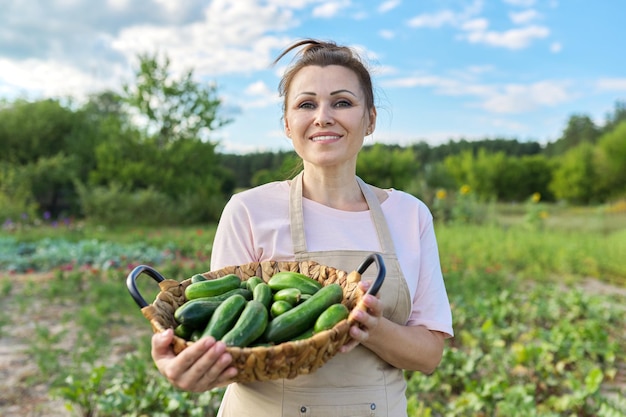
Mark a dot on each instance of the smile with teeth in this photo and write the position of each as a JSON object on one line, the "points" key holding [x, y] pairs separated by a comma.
{"points": [[325, 137]]}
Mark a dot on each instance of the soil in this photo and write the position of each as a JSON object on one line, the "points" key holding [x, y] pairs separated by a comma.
{"points": [[20, 393], [20, 397]]}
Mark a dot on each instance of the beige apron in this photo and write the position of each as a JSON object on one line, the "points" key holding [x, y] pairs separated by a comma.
{"points": [[353, 384]]}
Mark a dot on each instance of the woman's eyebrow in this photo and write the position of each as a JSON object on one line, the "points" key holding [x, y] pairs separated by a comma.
{"points": [[333, 93], [342, 91]]}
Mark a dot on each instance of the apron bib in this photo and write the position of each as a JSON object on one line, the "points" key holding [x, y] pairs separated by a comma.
{"points": [[352, 384]]}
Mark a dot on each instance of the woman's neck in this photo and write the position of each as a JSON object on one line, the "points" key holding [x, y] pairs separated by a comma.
{"points": [[334, 188]]}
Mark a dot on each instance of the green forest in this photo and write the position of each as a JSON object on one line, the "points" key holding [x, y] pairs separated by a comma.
{"points": [[115, 157]]}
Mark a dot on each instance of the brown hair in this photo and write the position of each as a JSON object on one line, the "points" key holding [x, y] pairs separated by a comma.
{"points": [[323, 53]]}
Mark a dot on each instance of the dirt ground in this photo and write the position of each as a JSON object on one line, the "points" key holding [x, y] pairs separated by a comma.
{"points": [[19, 398]]}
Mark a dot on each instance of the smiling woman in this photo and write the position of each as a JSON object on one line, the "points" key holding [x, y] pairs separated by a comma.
{"points": [[329, 215], [327, 118]]}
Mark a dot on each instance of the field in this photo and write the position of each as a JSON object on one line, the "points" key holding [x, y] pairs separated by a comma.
{"points": [[538, 312]]}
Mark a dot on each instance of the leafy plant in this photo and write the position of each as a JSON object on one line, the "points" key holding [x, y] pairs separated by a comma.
{"points": [[520, 353]]}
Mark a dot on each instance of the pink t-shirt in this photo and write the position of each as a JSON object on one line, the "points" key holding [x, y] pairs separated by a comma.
{"points": [[255, 227]]}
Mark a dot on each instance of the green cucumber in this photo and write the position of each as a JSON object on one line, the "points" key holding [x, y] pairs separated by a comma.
{"points": [[241, 291], [253, 282], [249, 327], [212, 287], [196, 313], [305, 335], [225, 316], [263, 293], [331, 316], [183, 331], [303, 316], [291, 295], [198, 278], [279, 307], [286, 279], [196, 335]]}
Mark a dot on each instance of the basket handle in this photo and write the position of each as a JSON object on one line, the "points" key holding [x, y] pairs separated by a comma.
{"points": [[132, 285], [378, 282]]}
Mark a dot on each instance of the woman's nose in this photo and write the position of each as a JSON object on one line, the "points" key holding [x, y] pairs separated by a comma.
{"points": [[324, 116]]}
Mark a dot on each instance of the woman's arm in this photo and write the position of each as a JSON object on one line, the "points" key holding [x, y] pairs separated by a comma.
{"points": [[414, 348]]}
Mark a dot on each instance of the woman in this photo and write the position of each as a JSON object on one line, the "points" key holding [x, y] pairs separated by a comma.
{"points": [[327, 214]]}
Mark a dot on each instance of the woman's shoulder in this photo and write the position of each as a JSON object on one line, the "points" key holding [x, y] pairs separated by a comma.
{"points": [[262, 193], [396, 196], [403, 201]]}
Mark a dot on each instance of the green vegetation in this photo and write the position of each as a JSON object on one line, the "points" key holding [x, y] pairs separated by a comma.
{"points": [[533, 337]]}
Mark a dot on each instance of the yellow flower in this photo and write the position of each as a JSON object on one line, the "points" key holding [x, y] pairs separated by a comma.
{"points": [[441, 194], [535, 197], [544, 214], [465, 189]]}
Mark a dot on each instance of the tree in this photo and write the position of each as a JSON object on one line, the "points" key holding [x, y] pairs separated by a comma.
{"points": [[174, 109], [387, 167], [170, 158], [618, 116], [575, 179], [611, 161], [50, 145], [580, 129]]}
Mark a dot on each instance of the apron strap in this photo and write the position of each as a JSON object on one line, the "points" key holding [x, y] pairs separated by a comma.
{"points": [[296, 216]]}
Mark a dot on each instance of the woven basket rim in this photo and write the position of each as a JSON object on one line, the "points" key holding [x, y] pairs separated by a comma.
{"points": [[251, 360]]}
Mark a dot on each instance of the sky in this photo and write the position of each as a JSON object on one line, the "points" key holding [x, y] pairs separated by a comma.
{"points": [[442, 69]]}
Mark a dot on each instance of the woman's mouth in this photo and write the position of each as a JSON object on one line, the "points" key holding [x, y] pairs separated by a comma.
{"points": [[323, 138]]}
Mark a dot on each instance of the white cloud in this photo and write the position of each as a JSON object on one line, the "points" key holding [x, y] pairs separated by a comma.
{"points": [[474, 28], [170, 7], [517, 98], [555, 47], [508, 98], [434, 20], [524, 17], [511, 39], [418, 81], [260, 96], [520, 3], [50, 78], [330, 9], [232, 38], [118, 5], [388, 5], [480, 69], [387, 34], [475, 25], [611, 84], [507, 124]]}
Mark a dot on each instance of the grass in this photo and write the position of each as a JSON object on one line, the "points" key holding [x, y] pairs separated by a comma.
{"points": [[529, 341]]}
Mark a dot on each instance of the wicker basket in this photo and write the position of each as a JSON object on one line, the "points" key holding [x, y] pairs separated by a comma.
{"points": [[260, 363]]}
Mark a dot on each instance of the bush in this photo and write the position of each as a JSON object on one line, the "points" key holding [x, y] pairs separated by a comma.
{"points": [[16, 200], [113, 205]]}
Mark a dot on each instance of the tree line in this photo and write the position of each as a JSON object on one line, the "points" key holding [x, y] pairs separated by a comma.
{"points": [[145, 155]]}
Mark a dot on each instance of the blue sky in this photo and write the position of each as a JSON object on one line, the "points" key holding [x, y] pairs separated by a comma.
{"points": [[443, 70]]}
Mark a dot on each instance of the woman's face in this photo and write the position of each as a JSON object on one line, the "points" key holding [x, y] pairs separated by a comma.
{"points": [[326, 117]]}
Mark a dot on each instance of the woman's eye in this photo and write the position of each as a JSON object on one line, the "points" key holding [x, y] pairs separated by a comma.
{"points": [[306, 105], [343, 103]]}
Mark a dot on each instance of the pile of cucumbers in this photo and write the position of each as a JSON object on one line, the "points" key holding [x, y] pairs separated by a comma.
{"points": [[289, 306]]}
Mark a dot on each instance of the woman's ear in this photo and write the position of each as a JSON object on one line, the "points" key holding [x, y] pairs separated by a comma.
{"points": [[371, 126], [287, 130]]}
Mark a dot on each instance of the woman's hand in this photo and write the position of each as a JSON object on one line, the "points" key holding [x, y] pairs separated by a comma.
{"points": [[200, 367], [394, 343], [366, 318]]}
